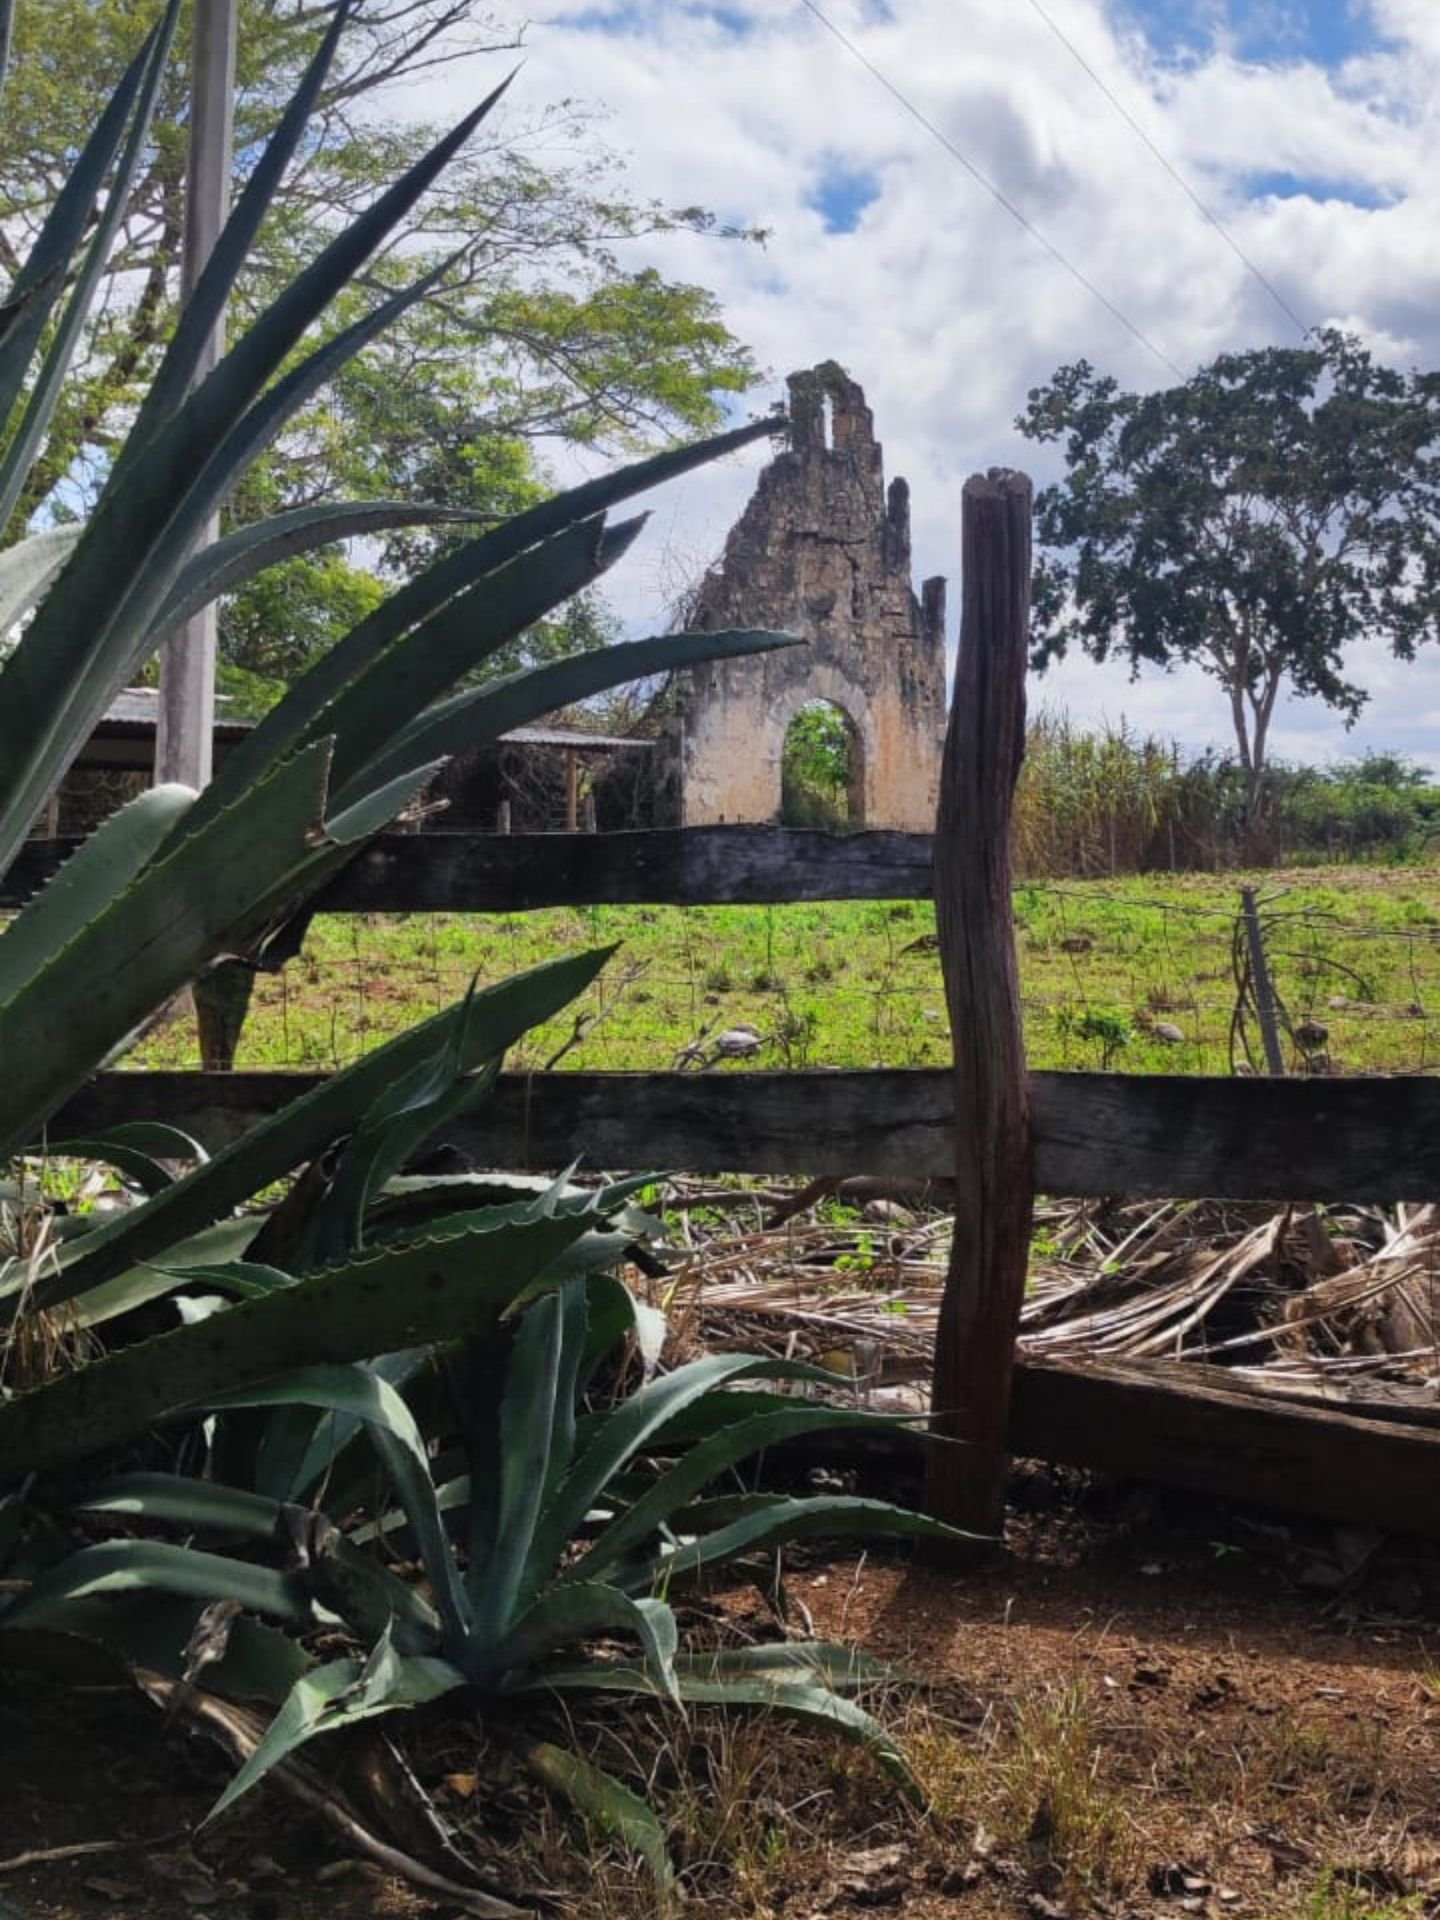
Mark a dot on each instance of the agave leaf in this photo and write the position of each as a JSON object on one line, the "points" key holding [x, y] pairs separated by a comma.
{"points": [[237, 557], [189, 1503], [396, 1298], [451, 1496], [154, 1630], [131, 1566], [212, 1259], [254, 358], [433, 1093], [333, 1432], [565, 1615], [143, 945], [498, 1016], [808, 1699], [37, 287], [295, 716], [537, 1444], [485, 713], [370, 1597], [365, 1594], [701, 1464], [414, 670], [429, 660], [814, 1705], [109, 860], [614, 1438], [599, 1797], [617, 1314], [27, 569], [139, 1168], [832, 1516], [135, 1148], [242, 434], [98, 619], [45, 394], [412, 1204], [206, 304], [158, 1138], [363, 1395], [338, 1695]]}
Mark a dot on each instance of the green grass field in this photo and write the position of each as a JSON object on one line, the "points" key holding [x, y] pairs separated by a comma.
{"points": [[858, 984]]}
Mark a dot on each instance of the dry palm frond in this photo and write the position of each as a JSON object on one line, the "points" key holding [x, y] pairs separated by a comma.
{"points": [[1342, 1307]]}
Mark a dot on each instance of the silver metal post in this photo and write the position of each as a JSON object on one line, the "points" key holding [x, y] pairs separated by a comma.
{"points": [[185, 737]]}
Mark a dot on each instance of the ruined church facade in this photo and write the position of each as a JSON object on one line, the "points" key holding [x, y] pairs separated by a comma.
{"points": [[822, 550]]}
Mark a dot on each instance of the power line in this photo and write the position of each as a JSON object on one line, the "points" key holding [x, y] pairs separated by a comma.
{"points": [[1174, 173], [990, 187]]}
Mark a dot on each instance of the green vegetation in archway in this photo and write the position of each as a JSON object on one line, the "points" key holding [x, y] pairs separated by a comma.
{"points": [[819, 770]]}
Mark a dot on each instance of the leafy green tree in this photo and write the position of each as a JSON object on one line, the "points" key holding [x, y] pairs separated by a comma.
{"points": [[539, 334], [1253, 522]]}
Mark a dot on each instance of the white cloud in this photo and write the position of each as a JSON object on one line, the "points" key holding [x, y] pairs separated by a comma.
{"points": [[944, 309]]}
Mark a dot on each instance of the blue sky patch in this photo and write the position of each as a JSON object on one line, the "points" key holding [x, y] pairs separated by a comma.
{"points": [[842, 195], [1280, 185], [1326, 31]]}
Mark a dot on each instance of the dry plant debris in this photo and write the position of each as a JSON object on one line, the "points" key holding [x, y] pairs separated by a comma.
{"points": [[1340, 1305]]}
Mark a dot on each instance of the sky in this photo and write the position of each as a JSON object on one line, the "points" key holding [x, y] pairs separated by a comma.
{"points": [[1308, 128]]}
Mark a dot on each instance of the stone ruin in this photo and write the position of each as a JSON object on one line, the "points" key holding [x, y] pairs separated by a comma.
{"points": [[823, 550]]}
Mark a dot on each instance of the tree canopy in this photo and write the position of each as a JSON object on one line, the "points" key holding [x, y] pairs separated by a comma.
{"points": [[1256, 521], [545, 330]]}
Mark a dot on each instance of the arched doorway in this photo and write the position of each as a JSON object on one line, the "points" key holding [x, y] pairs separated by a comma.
{"points": [[822, 770]]}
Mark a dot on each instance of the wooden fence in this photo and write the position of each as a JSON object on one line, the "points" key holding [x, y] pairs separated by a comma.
{"points": [[1000, 1133]]}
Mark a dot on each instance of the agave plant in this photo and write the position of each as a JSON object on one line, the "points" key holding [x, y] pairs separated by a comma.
{"points": [[177, 879], [580, 1516], [298, 1326]]}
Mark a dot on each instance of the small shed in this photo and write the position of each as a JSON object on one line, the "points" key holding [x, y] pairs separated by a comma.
{"points": [[536, 779]]}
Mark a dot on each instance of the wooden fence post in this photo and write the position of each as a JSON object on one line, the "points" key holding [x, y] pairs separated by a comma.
{"points": [[1260, 976], [994, 1163]]}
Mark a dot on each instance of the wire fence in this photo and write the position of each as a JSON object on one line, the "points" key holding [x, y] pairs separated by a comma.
{"points": [[1122, 978]]}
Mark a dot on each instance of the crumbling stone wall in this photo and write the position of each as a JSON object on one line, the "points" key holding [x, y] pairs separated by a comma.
{"points": [[823, 549]]}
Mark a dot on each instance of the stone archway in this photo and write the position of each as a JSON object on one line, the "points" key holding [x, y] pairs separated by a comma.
{"points": [[822, 550]]}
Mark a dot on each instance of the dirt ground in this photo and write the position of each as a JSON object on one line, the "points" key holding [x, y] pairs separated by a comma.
{"points": [[1149, 1707]]}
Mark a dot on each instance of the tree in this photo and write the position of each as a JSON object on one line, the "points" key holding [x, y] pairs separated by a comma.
{"points": [[539, 333], [1253, 522]]}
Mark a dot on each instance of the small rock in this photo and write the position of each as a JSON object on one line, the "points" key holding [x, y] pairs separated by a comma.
{"points": [[736, 1043], [1167, 1031]]}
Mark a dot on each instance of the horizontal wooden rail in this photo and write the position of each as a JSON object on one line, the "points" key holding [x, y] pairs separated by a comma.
{"points": [[682, 866], [1191, 1426], [1188, 1424], [1169, 1136]]}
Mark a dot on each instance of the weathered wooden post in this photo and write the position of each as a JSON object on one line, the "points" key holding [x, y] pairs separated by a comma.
{"points": [[994, 1198], [572, 791]]}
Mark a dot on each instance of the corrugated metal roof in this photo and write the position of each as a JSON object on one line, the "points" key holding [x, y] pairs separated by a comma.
{"points": [[140, 707], [571, 737]]}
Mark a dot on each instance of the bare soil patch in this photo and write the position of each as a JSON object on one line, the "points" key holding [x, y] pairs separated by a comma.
{"points": [[1148, 1708]]}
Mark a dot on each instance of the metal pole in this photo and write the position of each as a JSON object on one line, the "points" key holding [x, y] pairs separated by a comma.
{"points": [[185, 736]]}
